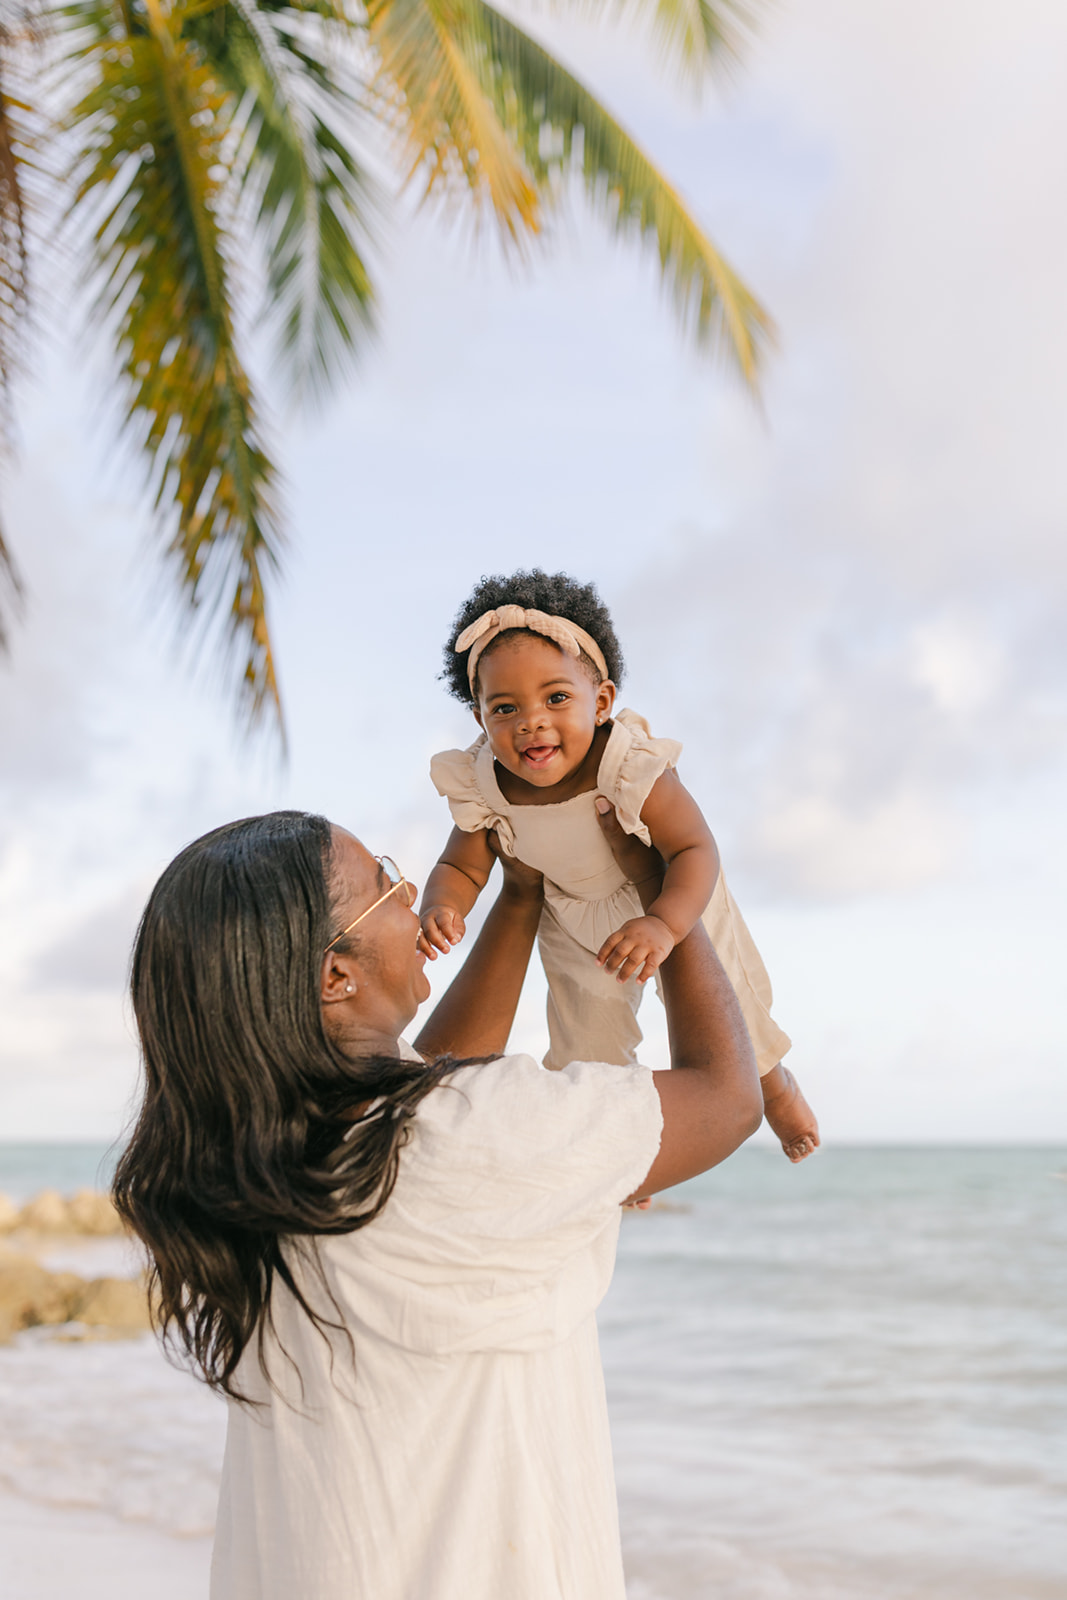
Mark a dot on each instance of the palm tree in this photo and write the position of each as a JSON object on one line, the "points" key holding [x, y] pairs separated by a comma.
{"points": [[203, 130], [18, 32]]}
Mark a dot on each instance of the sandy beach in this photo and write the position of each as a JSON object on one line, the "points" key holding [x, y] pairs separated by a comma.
{"points": [[53, 1552]]}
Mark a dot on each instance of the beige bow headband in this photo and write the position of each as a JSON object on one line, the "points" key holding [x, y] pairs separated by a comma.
{"points": [[570, 638]]}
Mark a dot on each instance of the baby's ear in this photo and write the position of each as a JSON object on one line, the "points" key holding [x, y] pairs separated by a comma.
{"points": [[605, 699]]}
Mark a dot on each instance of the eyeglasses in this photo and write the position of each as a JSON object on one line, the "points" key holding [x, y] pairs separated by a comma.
{"points": [[397, 881]]}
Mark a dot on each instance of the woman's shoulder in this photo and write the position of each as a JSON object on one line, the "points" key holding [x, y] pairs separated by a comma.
{"points": [[633, 761], [512, 1113]]}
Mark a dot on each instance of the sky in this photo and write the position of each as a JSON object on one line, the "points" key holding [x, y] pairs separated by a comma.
{"points": [[847, 601]]}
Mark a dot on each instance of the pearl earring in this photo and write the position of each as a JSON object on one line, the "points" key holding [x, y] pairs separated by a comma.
{"points": [[350, 988]]}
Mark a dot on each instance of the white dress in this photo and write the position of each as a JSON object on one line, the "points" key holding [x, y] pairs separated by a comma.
{"points": [[465, 1455], [591, 1016]]}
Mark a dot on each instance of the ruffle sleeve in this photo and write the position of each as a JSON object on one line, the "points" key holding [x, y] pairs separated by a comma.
{"points": [[454, 774], [632, 763]]}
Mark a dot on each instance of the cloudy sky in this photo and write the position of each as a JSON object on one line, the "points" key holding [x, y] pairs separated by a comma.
{"points": [[848, 604]]}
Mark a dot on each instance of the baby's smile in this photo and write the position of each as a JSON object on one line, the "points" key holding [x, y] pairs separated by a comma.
{"points": [[538, 756]]}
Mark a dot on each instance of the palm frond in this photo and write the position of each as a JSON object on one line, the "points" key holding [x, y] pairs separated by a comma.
{"points": [[695, 33], [12, 584], [14, 274], [450, 124], [314, 202], [20, 137], [152, 129], [19, 33], [554, 123]]}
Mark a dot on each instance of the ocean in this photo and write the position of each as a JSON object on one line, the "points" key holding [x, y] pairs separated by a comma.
{"points": [[841, 1381]]}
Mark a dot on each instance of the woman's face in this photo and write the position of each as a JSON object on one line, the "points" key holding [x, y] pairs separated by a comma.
{"points": [[391, 984]]}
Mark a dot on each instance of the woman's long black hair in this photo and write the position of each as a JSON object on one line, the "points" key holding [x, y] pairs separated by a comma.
{"points": [[241, 1135]]}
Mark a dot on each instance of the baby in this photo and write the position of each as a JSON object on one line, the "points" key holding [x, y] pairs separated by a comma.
{"points": [[536, 658]]}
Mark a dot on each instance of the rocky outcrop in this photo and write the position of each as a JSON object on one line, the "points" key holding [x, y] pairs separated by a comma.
{"points": [[92, 1212], [89, 1212], [31, 1296]]}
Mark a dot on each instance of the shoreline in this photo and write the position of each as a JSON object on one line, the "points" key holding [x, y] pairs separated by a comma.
{"points": [[50, 1552]]}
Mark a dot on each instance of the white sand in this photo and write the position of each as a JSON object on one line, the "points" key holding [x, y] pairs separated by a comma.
{"points": [[70, 1553]]}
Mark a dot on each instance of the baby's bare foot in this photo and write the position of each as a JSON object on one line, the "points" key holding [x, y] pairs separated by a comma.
{"points": [[789, 1114]]}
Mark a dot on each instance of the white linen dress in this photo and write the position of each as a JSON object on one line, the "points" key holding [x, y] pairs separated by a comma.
{"points": [[464, 1454], [591, 1016]]}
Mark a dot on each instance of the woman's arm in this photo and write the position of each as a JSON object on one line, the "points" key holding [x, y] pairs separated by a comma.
{"points": [[475, 1014], [711, 1098], [454, 884], [683, 839]]}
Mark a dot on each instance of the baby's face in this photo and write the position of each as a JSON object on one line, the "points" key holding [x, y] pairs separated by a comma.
{"points": [[539, 708]]}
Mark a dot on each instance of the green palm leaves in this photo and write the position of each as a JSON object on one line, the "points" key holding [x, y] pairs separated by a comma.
{"points": [[212, 135], [18, 35], [192, 117]]}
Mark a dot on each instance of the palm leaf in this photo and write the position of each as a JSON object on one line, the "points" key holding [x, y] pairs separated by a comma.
{"points": [[152, 129], [18, 31], [450, 126], [313, 200], [696, 33], [555, 122]]}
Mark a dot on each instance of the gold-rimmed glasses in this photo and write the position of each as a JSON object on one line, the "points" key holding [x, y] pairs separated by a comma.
{"points": [[397, 881]]}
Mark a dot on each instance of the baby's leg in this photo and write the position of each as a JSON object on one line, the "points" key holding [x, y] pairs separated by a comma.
{"points": [[591, 1015], [788, 1113], [736, 949], [785, 1108]]}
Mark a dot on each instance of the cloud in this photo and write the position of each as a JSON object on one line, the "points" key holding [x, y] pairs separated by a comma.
{"points": [[861, 634], [838, 726], [94, 953]]}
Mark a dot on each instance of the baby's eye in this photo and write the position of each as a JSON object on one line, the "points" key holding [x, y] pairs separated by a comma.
{"points": [[506, 710], [558, 698]]}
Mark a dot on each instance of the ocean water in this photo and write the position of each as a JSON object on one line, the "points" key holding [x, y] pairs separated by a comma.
{"points": [[842, 1381], [27, 1168], [846, 1380]]}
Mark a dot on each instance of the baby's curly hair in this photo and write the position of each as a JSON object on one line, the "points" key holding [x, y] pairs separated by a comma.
{"points": [[552, 592]]}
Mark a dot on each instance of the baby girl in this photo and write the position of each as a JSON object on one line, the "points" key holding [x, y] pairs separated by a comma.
{"points": [[536, 658]]}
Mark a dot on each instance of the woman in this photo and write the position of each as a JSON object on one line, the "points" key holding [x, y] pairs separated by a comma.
{"points": [[390, 1261]]}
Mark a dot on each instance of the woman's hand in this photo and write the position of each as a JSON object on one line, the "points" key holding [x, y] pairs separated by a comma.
{"points": [[520, 881], [642, 863]]}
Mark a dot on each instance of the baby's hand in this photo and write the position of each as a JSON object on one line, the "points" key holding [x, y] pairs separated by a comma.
{"points": [[442, 927], [637, 948]]}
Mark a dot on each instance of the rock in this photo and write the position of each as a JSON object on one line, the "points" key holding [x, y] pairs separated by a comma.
{"points": [[47, 1213], [92, 1212], [114, 1303], [30, 1296], [9, 1214]]}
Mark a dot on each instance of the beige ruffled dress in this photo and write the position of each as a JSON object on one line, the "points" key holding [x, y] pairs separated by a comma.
{"points": [[591, 1016]]}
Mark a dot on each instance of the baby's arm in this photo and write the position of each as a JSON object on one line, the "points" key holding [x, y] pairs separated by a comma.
{"points": [[461, 873], [684, 840]]}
